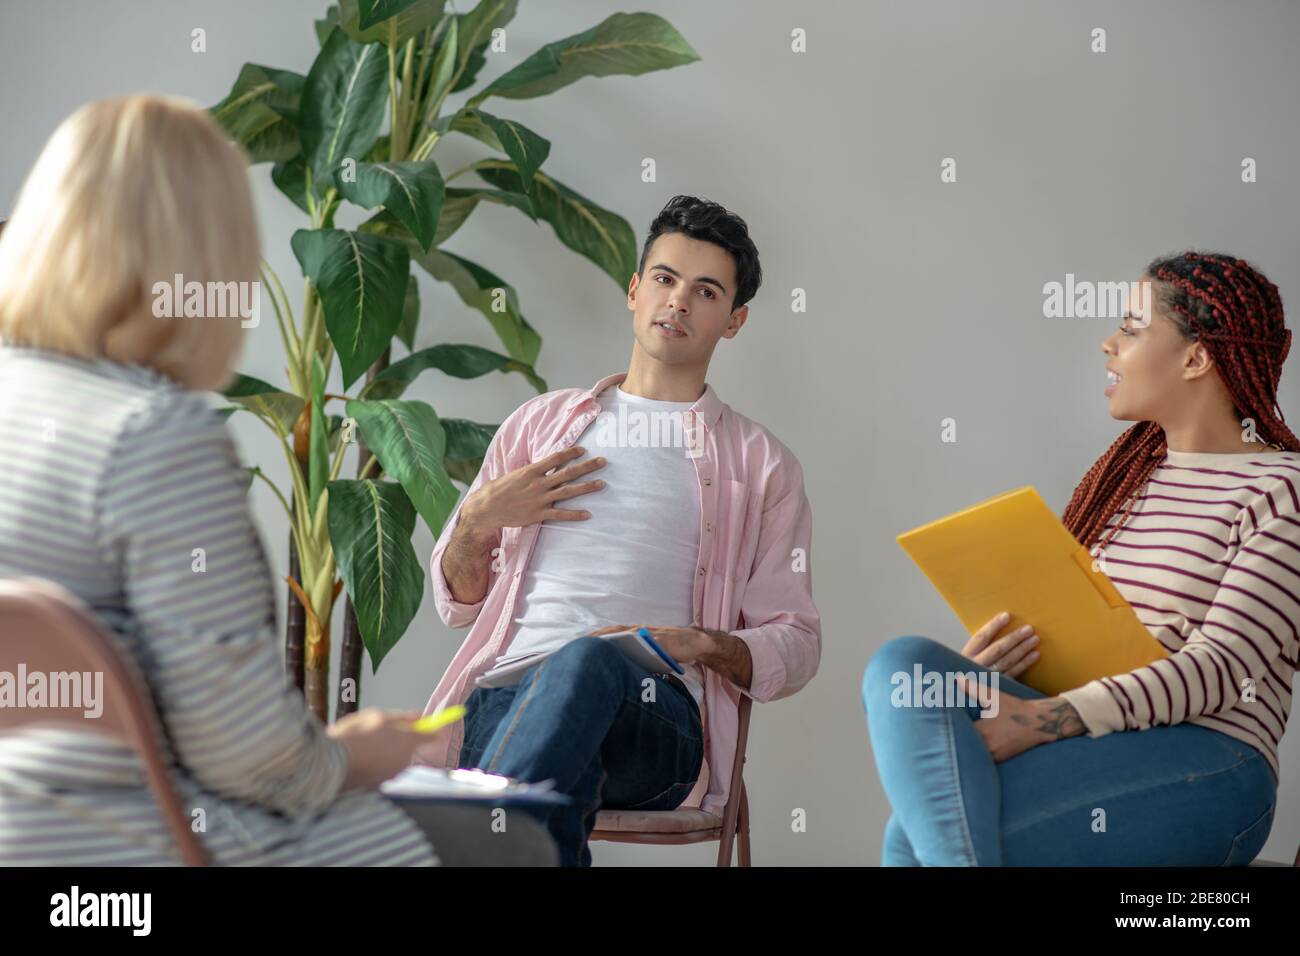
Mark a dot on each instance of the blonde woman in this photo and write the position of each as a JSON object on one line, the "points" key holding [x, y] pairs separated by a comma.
{"points": [[116, 470]]}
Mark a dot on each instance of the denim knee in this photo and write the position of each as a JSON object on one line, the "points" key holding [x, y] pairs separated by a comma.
{"points": [[585, 657], [896, 654]]}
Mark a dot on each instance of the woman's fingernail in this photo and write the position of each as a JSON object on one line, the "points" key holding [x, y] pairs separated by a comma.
{"points": [[1033, 655], [1033, 640]]}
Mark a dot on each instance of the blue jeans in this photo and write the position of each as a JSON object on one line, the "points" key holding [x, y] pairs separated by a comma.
{"points": [[1178, 795], [581, 717]]}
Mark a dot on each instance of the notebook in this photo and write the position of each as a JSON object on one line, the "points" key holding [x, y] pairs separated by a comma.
{"points": [[636, 643], [1011, 553], [420, 782]]}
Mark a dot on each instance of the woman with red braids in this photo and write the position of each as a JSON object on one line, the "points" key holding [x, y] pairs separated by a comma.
{"points": [[1194, 514]]}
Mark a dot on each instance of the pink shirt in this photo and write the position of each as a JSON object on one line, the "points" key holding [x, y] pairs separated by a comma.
{"points": [[753, 573]]}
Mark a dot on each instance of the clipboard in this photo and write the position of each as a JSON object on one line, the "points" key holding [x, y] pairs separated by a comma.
{"points": [[1011, 553]]}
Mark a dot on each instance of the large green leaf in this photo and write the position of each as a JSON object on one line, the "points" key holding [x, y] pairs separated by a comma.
{"points": [[290, 177], [474, 33], [485, 291], [602, 236], [525, 148], [343, 102], [265, 399], [325, 26], [624, 43], [408, 440], [410, 314], [459, 361], [361, 280], [467, 444], [391, 22], [411, 191], [457, 204], [370, 525], [260, 111]]}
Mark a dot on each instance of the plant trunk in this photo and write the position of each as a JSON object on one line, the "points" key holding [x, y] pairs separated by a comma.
{"points": [[349, 664], [316, 685], [352, 650], [294, 624]]}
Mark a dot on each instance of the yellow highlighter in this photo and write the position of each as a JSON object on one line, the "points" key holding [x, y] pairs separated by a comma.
{"points": [[432, 723]]}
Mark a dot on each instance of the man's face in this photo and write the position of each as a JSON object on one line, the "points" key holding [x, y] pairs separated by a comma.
{"points": [[688, 284]]}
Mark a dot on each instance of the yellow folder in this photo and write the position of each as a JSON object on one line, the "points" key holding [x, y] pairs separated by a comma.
{"points": [[1011, 553]]}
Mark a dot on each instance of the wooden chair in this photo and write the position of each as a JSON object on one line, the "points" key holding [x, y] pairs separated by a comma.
{"points": [[690, 824], [46, 628]]}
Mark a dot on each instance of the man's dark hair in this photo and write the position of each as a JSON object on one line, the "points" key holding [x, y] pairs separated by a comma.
{"points": [[710, 222]]}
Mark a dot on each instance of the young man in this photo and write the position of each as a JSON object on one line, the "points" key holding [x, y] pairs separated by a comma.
{"points": [[703, 539]]}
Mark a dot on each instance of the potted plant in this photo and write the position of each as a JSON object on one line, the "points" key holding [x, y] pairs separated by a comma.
{"points": [[362, 127]]}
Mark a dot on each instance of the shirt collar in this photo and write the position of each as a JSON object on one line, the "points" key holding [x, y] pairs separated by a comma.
{"points": [[708, 406]]}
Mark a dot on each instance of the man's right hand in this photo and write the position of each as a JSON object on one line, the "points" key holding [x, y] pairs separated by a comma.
{"points": [[521, 497], [528, 495]]}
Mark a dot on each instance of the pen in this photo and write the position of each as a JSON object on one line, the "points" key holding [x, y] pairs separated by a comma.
{"points": [[432, 723]]}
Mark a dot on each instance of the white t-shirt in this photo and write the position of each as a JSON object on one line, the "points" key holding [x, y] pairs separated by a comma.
{"points": [[633, 561]]}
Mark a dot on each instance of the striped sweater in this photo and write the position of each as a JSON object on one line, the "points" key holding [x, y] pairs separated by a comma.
{"points": [[1210, 561], [113, 477]]}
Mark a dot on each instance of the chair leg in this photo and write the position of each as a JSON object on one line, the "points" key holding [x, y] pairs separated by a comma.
{"points": [[742, 828], [725, 844]]}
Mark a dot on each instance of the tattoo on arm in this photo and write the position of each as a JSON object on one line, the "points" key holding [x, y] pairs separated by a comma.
{"points": [[1057, 719]]}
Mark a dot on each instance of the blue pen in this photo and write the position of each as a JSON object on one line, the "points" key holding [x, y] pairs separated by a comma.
{"points": [[659, 650]]}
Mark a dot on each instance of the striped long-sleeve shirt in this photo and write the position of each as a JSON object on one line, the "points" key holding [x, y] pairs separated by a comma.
{"points": [[1210, 561], [125, 489]]}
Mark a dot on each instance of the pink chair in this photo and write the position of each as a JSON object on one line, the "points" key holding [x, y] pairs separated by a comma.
{"points": [[690, 824], [46, 628]]}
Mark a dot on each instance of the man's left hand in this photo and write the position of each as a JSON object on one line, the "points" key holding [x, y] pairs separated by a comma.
{"points": [[684, 644]]}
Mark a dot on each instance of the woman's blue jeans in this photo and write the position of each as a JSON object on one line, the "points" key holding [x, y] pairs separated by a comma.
{"points": [[1177, 795], [586, 718]]}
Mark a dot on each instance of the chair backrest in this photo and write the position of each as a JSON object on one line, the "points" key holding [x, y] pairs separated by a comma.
{"points": [[45, 629]]}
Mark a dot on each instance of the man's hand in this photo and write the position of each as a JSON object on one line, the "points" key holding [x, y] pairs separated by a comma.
{"points": [[717, 650], [524, 496], [1023, 724], [528, 494]]}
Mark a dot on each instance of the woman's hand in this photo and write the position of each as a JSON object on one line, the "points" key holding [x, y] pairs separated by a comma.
{"points": [[1012, 654], [380, 744], [1020, 724]]}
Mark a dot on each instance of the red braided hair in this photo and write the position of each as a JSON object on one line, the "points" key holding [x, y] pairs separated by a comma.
{"points": [[1236, 312]]}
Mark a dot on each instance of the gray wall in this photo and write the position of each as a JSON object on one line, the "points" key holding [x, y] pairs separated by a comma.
{"points": [[924, 299]]}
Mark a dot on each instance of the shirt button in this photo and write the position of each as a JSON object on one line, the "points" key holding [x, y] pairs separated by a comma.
{"points": [[701, 571], [708, 481], [708, 526]]}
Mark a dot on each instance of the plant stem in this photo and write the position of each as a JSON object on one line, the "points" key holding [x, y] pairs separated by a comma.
{"points": [[426, 146], [395, 132], [290, 339], [406, 97], [258, 473]]}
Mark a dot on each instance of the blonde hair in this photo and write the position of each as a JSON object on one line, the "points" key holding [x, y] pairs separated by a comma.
{"points": [[129, 192]]}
